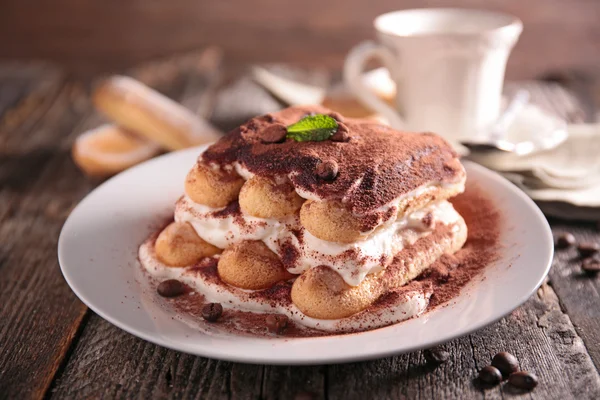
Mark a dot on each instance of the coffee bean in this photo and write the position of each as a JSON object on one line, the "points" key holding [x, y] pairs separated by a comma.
{"points": [[591, 265], [171, 288], [436, 355], [588, 249], [270, 118], [342, 134], [523, 380], [337, 116], [327, 170], [212, 312], [274, 134], [276, 323], [565, 240], [490, 375], [506, 363], [428, 221]]}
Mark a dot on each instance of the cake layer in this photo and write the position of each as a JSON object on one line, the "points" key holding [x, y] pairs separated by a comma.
{"points": [[299, 250], [368, 165], [319, 298]]}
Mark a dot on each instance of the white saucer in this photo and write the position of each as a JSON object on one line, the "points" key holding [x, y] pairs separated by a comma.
{"points": [[97, 253], [533, 129]]}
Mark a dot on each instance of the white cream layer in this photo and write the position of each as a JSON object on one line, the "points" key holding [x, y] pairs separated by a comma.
{"points": [[408, 305], [353, 261]]}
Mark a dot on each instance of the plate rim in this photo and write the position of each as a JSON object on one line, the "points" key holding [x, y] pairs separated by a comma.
{"points": [[210, 352]]}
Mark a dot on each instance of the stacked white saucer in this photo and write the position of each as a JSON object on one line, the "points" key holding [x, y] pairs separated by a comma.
{"points": [[564, 180]]}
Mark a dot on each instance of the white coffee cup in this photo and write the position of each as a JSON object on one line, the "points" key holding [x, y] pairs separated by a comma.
{"points": [[448, 65]]}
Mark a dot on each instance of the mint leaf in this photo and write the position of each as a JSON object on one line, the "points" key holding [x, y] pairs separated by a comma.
{"points": [[312, 128]]}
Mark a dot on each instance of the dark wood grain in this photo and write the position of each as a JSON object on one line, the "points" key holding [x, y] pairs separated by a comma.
{"points": [[38, 184], [101, 35], [579, 293], [110, 363], [281, 382]]}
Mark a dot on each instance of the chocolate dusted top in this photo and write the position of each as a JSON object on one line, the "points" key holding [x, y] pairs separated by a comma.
{"points": [[374, 164]]}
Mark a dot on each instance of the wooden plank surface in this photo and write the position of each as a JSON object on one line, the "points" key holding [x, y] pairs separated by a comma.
{"points": [[111, 363], [579, 293], [38, 184], [49, 346]]}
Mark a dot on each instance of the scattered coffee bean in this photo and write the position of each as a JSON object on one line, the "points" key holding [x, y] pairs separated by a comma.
{"points": [[342, 134], [588, 249], [523, 380], [276, 323], [327, 170], [436, 355], [274, 134], [565, 240], [490, 375], [212, 312], [591, 265], [506, 363], [171, 288]]}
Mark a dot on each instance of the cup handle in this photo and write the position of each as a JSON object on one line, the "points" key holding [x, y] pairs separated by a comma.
{"points": [[354, 67]]}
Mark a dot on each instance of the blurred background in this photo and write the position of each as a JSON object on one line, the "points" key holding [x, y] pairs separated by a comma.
{"points": [[97, 36]]}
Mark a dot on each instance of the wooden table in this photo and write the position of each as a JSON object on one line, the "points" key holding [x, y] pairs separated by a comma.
{"points": [[52, 346]]}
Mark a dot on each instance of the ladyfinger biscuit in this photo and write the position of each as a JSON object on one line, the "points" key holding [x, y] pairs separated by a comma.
{"points": [[322, 293], [331, 221], [110, 149], [178, 245], [213, 187], [139, 108], [429, 195], [263, 198], [251, 265]]}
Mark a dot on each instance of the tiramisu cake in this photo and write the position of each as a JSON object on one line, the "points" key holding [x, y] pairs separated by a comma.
{"points": [[320, 221]]}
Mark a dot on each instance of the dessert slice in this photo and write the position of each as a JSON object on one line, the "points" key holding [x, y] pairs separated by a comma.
{"points": [[318, 217]]}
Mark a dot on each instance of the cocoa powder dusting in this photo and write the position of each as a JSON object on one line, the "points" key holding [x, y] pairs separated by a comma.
{"points": [[232, 209], [451, 273], [238, 322]]}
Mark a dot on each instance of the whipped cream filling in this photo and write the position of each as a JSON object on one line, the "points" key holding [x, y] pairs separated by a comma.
{"points": [[353, 261], [406, 305]]}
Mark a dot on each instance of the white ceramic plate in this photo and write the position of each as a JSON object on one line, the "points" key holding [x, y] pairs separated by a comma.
{"points": [[98, 246]]}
